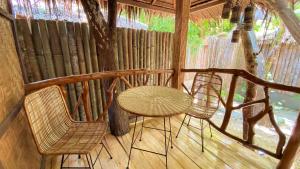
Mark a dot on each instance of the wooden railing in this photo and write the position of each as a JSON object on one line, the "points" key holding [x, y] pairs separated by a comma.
{"points": [[163, 76], [287, 154]]}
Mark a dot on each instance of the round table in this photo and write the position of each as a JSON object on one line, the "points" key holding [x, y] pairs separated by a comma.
{"points": [[154, 101]]}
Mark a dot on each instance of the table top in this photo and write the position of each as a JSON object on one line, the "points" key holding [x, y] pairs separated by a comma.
{"points": [[154, 101]]}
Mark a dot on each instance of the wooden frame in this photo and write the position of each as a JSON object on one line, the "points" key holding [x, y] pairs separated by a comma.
{"points": [[280, 152]]}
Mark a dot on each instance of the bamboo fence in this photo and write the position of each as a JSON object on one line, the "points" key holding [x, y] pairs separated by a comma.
{"points": [[280, 63], [58, 48]]}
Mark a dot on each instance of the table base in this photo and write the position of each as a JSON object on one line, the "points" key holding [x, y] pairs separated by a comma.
{"points": [[133, 140]]}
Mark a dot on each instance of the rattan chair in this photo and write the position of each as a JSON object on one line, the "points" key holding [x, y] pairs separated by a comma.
{"points": [[55, 132], [206, 91]]}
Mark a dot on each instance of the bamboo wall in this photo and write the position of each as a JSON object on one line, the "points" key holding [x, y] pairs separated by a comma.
{"points": [[17, 148], [282, 61], [59, 48]]}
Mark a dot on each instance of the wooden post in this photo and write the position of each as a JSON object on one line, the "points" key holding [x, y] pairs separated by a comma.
{"points": [[180, 40], [251, 67]]}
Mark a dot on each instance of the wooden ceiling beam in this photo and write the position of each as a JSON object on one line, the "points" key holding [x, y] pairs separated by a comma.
{"points": [[207, 5], [147, 6]]}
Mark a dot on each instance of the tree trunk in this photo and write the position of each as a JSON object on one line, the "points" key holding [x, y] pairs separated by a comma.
{"points": [[251, 66], [105, 35]]}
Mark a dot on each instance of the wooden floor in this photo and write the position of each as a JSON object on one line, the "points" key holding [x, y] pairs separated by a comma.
{"points": [[220, 151]]}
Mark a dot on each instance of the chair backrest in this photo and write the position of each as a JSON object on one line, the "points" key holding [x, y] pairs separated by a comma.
{"points": [[48, 116], [206, 90]]}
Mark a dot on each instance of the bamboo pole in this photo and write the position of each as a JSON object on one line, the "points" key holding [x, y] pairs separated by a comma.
{"points": [[46, 48], [145, 52], [137, 62], [134, 54], [56, 48], [157, 55], [67, 63], [120, 52], [75, 65], [95, 66], [80, 50], [125, 49], [141, 52], [89, 68], [153, 39], [38, 47], [166, 55], [32, 61], [130, 53]]}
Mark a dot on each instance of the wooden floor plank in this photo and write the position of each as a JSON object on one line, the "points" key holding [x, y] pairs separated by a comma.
{"points": [[220, 151]]}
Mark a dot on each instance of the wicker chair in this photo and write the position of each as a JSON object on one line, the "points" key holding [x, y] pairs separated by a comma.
{"points": [[206, 91], [53, 129]]}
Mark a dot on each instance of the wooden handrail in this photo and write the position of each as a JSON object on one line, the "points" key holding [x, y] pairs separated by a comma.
{"points": [[280, 153], [248, 76], [92, 76]]}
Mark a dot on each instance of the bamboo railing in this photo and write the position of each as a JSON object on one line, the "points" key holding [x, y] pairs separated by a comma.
{"points": [[286, 154]]}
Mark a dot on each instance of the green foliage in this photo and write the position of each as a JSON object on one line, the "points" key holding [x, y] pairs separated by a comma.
{"points": [[196, 31]]}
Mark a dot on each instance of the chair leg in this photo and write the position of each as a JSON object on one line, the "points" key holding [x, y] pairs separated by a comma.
{"points": [[189, 121], [142, 129], [62, 161], [202, 137], [210, 130], [106, 149], [171, 132], [89, 161], [181, 126]]}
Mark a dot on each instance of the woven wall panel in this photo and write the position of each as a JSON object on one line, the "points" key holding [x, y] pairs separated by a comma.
{"points": [[17, 148]]}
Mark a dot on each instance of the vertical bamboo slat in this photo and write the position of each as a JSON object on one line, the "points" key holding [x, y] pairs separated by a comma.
{"points": [[80, 50], [134, 54], [75, 64], [38, 47], [130, 57], [153, 59], [95, 65], [67, 63], [89, 68], [56, 48], [125, 49], [32, 61], [46, 48], [120, 52]]}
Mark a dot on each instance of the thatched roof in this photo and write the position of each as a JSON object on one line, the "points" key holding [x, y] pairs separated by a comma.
{"points": [[199, 9]]}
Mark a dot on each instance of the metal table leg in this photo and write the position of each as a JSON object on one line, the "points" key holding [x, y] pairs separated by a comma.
{"points": [[132, 142]]}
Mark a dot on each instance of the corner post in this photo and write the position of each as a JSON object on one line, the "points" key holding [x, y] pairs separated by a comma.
{"points": [[180, 40]]}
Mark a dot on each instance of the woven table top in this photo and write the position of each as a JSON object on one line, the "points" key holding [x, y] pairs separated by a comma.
{"points": [[154, 101]]}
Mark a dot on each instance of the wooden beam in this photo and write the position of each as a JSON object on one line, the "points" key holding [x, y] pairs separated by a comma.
{"points": [[206, 5], [180, 40], [146, 6]]}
